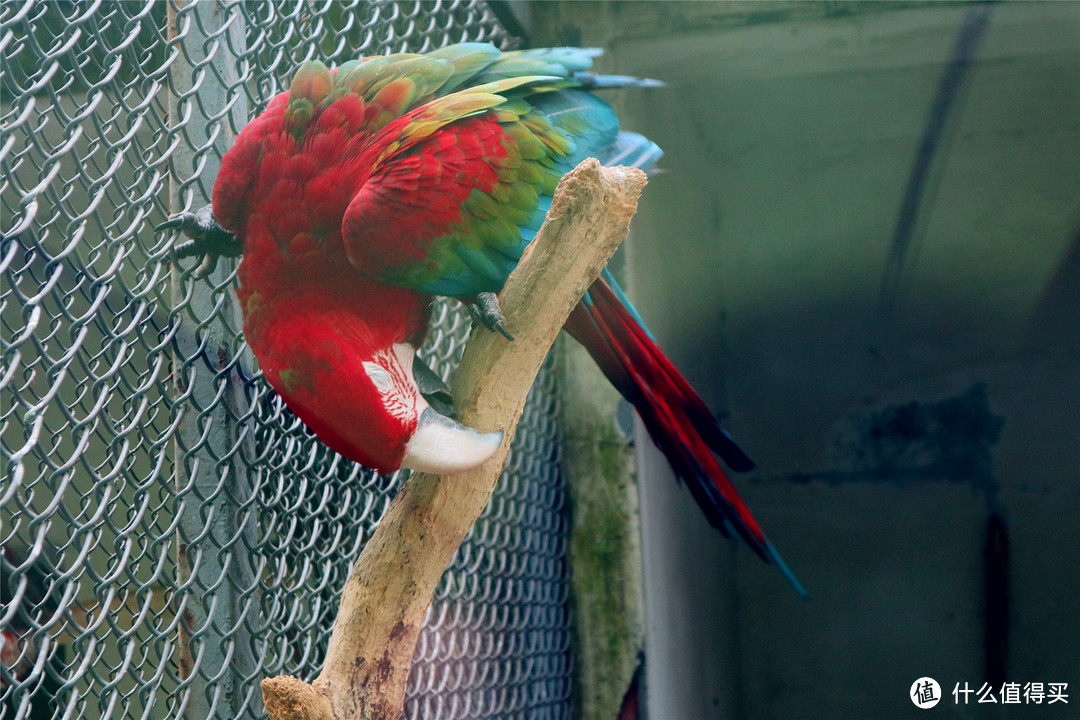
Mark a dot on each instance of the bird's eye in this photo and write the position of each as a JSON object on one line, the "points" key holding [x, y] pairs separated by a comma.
{"points": [[379, 376]]}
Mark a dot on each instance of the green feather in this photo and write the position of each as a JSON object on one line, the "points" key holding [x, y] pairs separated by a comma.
{"points": [[523, 197], [355, 76], [571, 58], [482, 205], [468, 59], [497, 231], [480, 263], [311, 84], [531, 173], [427, 73]]}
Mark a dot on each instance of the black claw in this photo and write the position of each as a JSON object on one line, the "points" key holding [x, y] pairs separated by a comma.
{"points": [[208, 238], [500, 326], [180, 221], [487, 312], [432, 388]]}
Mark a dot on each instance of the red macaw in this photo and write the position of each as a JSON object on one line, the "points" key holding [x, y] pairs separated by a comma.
{"points": [[364, 190]]}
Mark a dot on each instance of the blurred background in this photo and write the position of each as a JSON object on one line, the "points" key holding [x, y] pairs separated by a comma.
{"points": [[863, 249], [865, 252]]}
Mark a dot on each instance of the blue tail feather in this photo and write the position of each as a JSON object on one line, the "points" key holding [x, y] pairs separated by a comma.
{"points": [[633, 150], [786, 572], [593, 81]]}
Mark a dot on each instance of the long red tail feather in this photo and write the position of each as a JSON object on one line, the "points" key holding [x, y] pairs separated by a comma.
{"points": [[677, 419]]}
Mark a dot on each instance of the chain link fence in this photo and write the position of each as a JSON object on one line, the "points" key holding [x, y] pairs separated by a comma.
{"points": [[170, 533]]}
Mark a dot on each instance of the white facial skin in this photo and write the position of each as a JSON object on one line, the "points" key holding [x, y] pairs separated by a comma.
{"points": [[439, 445], [391, 374]]}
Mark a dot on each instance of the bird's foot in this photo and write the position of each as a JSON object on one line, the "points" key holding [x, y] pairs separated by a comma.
{"points": [[208, 238], [486, 311], [432, 388]]}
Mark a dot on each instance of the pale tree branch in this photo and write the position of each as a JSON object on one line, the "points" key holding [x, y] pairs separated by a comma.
{"points": [[392, 582]]}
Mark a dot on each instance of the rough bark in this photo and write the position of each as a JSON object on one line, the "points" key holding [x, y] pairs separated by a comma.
{"points": [[392, 582]]}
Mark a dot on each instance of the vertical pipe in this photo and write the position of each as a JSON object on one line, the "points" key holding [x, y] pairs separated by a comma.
{"points": [[997, 601], [217, 599], [972, 29]]}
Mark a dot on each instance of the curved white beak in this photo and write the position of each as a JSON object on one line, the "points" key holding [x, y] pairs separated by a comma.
{"points": [[445, 447]]}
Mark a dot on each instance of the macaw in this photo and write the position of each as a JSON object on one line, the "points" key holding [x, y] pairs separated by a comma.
{"points": [[363, 191]]}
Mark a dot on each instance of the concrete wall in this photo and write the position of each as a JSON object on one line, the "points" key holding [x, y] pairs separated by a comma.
{"points": [[894, 395]]}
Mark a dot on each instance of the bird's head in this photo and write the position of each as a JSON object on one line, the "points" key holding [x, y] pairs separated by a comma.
{"points": [[362, 400], [403, 422]]}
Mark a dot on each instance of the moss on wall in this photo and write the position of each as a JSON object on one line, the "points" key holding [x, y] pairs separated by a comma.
{"points": [[605, 552]]}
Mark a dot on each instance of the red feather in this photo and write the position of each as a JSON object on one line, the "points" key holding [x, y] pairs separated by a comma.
{"points": [[673, 413], [336, 191], [312, 348], [677, 419], [390, 224]]}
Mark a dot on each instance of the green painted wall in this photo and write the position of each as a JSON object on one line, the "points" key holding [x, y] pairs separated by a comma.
{"points": [[759, 259]]}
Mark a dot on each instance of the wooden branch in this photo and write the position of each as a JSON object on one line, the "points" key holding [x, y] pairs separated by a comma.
{"points": [[392, 582]]}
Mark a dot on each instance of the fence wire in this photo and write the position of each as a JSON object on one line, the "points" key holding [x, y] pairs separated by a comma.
{"points": [[170, 533]]}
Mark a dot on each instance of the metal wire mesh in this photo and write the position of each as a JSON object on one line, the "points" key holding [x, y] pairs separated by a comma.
{"points": [[170, 532]]}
